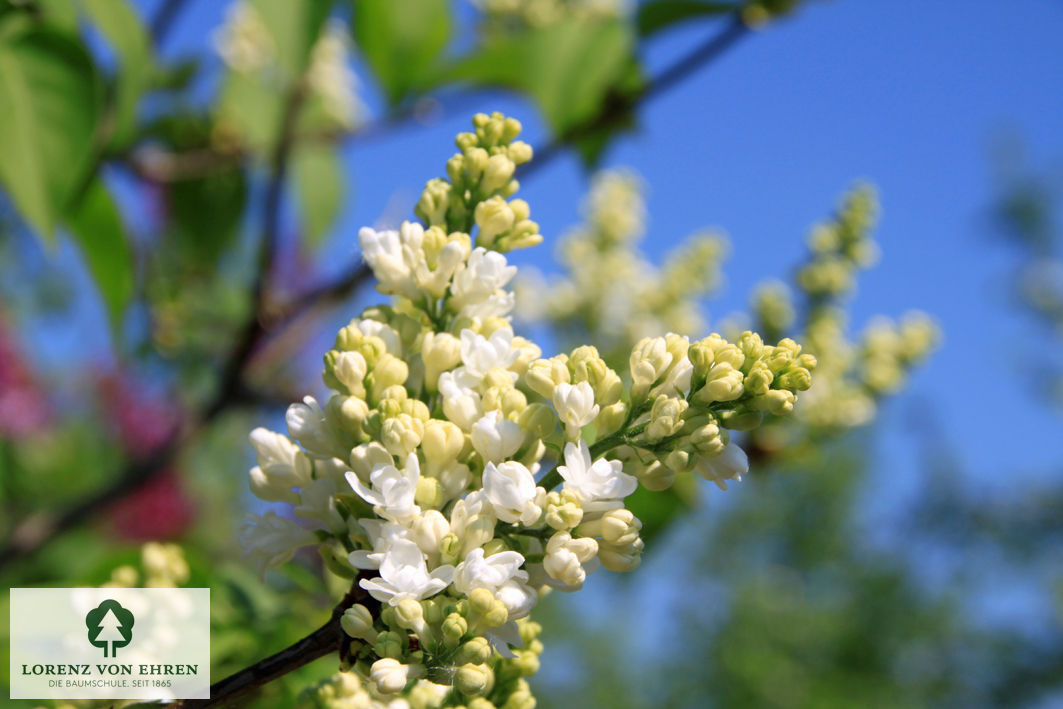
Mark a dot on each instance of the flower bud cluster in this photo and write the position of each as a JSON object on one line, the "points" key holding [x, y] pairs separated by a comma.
{"points": [[248, 49], [505, 16], [480, 180], [453, 474], [161, 566], [611, 289]]}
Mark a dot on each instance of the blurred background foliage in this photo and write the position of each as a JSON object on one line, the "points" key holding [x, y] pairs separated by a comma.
{"points": [[190, 199]]}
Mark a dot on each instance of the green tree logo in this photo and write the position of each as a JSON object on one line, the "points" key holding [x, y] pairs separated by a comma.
{"points": [[109, 624]]}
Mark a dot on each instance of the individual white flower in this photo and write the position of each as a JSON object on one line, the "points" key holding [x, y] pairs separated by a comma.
{"points": [[308, 425], [496, 305], [382, 536], [484, 273], [317, 501], [404, 574], [599, 486], [511, 489], [731, 464], [481, 354], [477, 571], [502, 637], [517, 596], [269, 541], [496, 438], [350, 369], [388, 675], [280, 459], [473, 521], [575, 406], [565, 559], [461, 404], [393, 490], [384, 252]]}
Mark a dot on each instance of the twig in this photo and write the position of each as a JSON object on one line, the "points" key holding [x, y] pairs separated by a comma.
{"points": [[326, 639]]}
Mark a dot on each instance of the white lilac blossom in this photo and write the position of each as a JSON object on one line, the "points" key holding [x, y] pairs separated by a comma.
{"points": [[418, 474], [404, 574], [599, 485]]}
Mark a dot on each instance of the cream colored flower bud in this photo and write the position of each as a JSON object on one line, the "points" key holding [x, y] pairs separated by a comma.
{"points": [[563, 510], [622, 557], [679, 461], [778, 401], [476, 651], [429, 492], [389, 371], [350, 369], [498, 172], [454, 629], [611, 418], [449, 548], [520, 152], [388, 643], [795, 379], [353, 413], [401, 435], [432, 206], [388, 675], [649, 360], [442, 443], [565, 557], [357, 622], [494, 217], [527, 351], [707, 440], [656, 476], [474, 680], [545, 374], [724, 383], [539, 420], [666, 417], [618, 527], [759, 379], [440, 352]]}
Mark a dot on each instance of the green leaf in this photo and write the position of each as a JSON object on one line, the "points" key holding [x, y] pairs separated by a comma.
{"points": [[567, 68], [319, 184], [401, 41], [251, 109], [49, 103], [125, 31], [98, 230], [294, 26], [660, 14]]}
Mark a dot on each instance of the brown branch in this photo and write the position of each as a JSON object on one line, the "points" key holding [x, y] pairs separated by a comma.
{"points": [[326, 639]]}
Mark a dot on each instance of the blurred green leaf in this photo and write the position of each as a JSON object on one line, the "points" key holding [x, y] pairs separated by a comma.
{"points": [[567, 68], [660, 14], [97, 227], [49, 102], [295, 27], [320, 186], [657, 510], [251, 109], [401, 41], [119, 22], [207, 212]]}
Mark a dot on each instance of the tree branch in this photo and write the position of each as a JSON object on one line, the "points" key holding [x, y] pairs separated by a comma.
{"points": [[326, 639]]}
